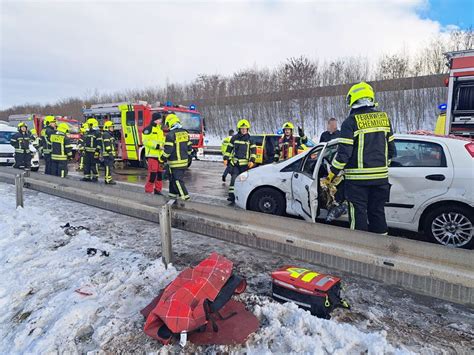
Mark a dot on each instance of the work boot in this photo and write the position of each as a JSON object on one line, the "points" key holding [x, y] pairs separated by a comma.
{"points": [[111, 182], [94, 179], [223, 178], [86, 179], [156, 192], [231, 203]]}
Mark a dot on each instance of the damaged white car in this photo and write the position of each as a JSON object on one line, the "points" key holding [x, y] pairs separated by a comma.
{"points": [[432, 190]]}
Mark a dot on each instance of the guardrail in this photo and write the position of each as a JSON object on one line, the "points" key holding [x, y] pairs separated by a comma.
{"points": [[417, 266]]}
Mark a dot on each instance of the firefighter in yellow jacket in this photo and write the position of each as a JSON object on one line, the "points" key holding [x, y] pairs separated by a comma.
{"points": [[154, 140], [61, 150], [177, 152], [108, 151], [240, 154], [225, 143]]}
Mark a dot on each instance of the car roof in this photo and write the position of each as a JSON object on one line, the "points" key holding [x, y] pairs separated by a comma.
{"points": [[434, 138]]}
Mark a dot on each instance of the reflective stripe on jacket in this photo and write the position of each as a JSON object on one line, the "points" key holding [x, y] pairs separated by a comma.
{"points": [[365, 146], [61, 148], [288, 147], [21, 142], [91, 141], [108, 144], [178, 148], [45, 142], [241, 150], [152, 136]]}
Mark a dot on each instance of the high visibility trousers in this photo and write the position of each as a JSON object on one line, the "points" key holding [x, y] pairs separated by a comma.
{"points": [[47, 164], [81, 160], [367, 206], [177, 187], [59, 168], [235, 171], [22, 160], [154, 180], [91, 166], [109, 165]]}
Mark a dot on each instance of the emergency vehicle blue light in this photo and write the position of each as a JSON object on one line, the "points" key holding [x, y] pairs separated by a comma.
{"points": [[443, 107], [280, 131], [192, 107], [169, 103]]}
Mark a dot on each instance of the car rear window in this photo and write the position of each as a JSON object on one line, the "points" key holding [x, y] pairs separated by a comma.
{"points": [[412, 153], [5, 137]]}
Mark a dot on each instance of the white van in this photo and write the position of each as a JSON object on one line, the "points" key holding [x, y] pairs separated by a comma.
{"points": [[7, 152]]}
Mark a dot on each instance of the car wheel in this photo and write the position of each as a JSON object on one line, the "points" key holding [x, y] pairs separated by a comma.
{"points": [[451, 226], [268, 200]]}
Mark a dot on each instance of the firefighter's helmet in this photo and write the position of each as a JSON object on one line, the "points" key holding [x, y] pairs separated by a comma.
{"points": [[33, 131], [84, 128], [49, 119], [63, 127], [243, 124], [172, 120], [108, 124], [288, 125], [92, 122], [21, 124], [359, 91]]}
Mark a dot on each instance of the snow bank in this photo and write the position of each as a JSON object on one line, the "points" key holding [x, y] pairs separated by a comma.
{"points": [[56, 297]]}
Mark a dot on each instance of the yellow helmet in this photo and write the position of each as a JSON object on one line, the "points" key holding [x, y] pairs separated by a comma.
{"points": [[171, 120], [92, 122], [33, 131], [288, 125], [243, 124], [21, 124], [49, 119], [359, 91], [63, 127], [108, 124]]}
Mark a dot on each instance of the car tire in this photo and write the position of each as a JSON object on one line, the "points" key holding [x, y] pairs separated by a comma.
{"points": [[450, 225], [268, 200]]}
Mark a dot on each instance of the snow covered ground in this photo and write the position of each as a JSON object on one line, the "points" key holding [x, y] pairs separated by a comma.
{"points": [[55, 296]]}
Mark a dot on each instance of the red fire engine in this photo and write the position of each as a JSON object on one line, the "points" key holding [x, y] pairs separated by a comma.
{"points": [[460, 107], [130, 118], [35, 121]]}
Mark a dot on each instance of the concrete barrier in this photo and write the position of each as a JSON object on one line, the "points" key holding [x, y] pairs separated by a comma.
{"points": [[425, 268]]}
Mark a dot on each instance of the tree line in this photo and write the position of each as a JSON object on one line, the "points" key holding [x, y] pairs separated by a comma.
{"points": [[304, 90]]}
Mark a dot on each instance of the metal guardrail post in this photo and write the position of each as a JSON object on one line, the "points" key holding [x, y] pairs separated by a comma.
{"points": [[19, 182], [165, 229]]}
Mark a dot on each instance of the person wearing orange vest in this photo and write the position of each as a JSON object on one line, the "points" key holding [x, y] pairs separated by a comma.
{"points": [[288, 145]]}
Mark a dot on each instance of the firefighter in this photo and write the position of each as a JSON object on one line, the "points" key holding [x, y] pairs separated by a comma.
{"points": [[177, 152], [92, 146], [240, 155], [108, 151], [154, 140], [61, 150], [21, 142], [224, 145], [46, 132], [80, 146], [36, 140], [365, 149], [288, 144]]}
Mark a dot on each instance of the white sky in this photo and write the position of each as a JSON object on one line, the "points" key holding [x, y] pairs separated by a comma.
{"points": [[57, 49]]}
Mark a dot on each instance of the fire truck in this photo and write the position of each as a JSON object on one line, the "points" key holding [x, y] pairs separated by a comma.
{"points": [[459, 119], [130, 118], [35, 121]]}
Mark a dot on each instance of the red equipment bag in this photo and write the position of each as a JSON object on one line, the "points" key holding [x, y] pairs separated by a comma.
{"points": [[194, 300], [318, 293]]}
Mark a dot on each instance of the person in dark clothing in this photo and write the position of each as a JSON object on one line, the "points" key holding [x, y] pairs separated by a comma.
{"points": [[240, 155], [224, 145], [365, 148], [92, 147], [288, 145], [21, 142], [46, 132], [177, 153], [108, 151], [61, 150], [331, 133]]}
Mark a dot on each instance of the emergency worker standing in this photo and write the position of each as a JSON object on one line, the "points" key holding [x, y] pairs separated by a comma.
{"points": [[108, 151], [225, 143], [364, 153], [288, 145], [154, 141], [240, 155], [92, 147], [177, 152], [46, 132], [21, 142], [80, 146], [61, 150]]}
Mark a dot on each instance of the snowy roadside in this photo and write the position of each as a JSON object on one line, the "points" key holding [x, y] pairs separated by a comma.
{"points": [[42, 267]]}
